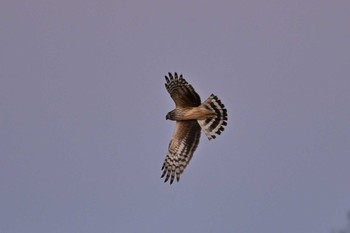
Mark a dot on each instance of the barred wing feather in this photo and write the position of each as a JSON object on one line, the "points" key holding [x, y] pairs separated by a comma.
{"points": [[183, 143], [181, 91]]}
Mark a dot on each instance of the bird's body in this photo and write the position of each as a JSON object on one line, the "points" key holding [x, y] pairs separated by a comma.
{"points": [[191, 116], [190, 113]]}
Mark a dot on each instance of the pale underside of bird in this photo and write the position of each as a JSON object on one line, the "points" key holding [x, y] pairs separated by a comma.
{"points": [[191, 116]]}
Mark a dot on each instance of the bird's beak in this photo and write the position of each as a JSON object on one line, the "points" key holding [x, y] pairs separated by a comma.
{"points": [[167, 117]]}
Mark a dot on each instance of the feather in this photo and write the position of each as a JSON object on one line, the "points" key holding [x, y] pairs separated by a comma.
{"points": [[181, 92], [182, 145]]}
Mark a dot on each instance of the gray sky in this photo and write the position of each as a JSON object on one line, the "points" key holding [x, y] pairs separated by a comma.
{"points": [[83, 104]]}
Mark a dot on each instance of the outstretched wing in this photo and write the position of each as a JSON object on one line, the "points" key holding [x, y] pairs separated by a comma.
{"points": [[183, 143], [181, 91]]}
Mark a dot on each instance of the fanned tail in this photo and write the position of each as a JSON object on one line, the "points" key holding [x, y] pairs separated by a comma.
{"points": [[213, 126]]}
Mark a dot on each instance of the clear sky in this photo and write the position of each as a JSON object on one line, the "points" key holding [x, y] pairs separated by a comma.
{"points": [[83, 133]]}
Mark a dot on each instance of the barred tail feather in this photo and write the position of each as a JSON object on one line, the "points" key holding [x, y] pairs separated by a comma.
{"points": [[214, 125]]}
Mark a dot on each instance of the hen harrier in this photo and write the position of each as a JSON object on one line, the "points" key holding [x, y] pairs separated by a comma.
{"points": [[191, 116]]}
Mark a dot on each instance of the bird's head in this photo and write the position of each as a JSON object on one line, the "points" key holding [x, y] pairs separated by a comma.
{"points": [[170, 115]]}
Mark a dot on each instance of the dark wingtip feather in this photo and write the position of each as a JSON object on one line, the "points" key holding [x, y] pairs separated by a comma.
{"points": [[166, 178], [172, 179], [164, 172]]}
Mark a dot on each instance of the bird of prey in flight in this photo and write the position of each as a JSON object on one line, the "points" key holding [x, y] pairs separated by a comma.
{"points": [[191, 116]]}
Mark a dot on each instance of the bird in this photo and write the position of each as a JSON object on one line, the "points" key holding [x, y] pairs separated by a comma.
{"points": [[191, 116]]}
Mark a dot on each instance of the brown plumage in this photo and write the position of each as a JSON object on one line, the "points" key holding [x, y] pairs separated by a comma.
{"points": [[191, 116]]}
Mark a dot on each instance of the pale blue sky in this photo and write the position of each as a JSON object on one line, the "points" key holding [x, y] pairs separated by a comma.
{"points": [[83, 133]]}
